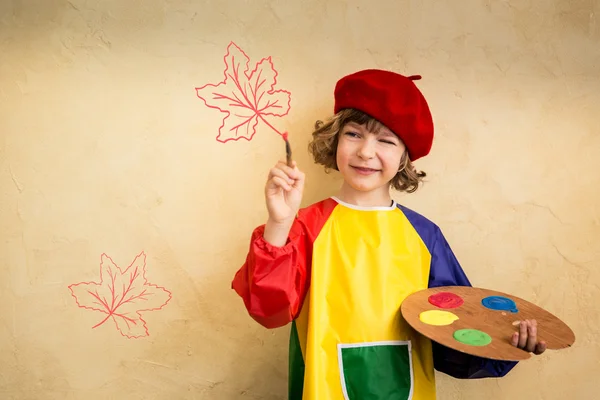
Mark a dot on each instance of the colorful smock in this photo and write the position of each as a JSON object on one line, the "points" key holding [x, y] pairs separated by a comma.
{"points": [[340, 279]]}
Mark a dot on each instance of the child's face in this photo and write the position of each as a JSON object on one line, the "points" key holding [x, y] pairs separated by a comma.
{"points": [[367, 160]]}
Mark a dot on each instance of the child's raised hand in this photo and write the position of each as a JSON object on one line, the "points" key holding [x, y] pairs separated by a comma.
{"points": [[283, 192], [526, 338]]}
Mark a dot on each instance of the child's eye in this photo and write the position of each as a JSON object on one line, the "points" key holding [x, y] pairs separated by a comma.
{"points": [[352, 134], [388, 142]]}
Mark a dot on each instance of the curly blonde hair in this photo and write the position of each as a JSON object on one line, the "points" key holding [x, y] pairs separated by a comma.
{"points": [[323, 147]]}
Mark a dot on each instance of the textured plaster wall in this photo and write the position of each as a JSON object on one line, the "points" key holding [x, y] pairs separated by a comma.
{"points": [[105, 148]]}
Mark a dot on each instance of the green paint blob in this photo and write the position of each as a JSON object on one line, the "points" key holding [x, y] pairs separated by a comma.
{"points": [[472, 337]]}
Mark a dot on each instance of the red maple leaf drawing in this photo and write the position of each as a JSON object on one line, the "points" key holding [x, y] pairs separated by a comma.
{"points": [[245, 97], [122, 295]]}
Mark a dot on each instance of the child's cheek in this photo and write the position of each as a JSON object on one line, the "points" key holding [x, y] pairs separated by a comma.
{"points": [[342, 153]]}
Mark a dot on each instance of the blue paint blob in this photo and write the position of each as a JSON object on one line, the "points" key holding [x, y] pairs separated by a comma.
{"points": [[500, 303]]}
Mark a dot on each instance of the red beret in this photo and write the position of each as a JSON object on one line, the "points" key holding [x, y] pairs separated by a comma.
{"points": [[392, 99]]}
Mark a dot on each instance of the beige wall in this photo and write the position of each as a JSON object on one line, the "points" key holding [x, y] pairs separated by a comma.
{"points": [[105, 148]]}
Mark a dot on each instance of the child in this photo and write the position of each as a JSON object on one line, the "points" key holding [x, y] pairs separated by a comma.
{"points": [[338, 270]]}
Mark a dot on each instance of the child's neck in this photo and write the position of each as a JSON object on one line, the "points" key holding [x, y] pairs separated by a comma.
{"points": [[374, 198]]}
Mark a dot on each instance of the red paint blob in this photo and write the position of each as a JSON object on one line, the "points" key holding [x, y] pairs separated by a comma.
{"points": [[446, 300], [285, 135]]}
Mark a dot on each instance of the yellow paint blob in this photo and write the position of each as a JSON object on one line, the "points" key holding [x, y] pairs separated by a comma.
{"points": [[437, 317]]}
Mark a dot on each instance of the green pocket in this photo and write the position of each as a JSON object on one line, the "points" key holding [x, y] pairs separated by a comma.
{"points": [[376, 370]]}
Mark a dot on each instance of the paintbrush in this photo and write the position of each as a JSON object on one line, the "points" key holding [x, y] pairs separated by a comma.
{"points": [[288, 149]]}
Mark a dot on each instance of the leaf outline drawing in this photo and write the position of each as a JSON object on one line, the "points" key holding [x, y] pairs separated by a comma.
{"points": [[121, 296], [246, 99]]}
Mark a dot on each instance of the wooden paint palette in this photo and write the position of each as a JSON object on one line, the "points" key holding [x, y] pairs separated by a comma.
{"points": [[480, 322]]}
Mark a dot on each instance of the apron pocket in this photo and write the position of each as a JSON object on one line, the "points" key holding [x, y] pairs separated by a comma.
{"points": [[376, 370]]}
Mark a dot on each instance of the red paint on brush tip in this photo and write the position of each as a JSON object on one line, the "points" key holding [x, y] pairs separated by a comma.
{"points": [[285, 136]]}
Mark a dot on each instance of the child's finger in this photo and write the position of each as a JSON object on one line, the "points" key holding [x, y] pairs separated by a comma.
{"points": [[522, 334], [278, 172], [531, 336], [278, 182], [299, 180], [515, 339], [540, 348], [292, 171]]}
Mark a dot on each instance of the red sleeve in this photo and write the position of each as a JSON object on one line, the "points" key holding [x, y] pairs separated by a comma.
{"points": [[273, 280]]}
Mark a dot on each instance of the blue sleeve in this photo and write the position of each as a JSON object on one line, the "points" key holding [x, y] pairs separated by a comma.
{"points": [[445, 270]]}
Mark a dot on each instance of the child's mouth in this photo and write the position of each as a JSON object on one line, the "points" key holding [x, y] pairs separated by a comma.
{"points": [[364, 171]]}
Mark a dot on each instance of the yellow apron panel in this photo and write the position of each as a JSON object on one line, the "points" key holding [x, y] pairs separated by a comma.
{"points": [[354, 341]]}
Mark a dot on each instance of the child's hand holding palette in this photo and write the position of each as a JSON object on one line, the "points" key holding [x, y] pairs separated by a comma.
{"points": [[481, 322]]}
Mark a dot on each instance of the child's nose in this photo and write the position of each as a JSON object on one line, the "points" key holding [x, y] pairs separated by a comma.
{"points": [[366, 149]]}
